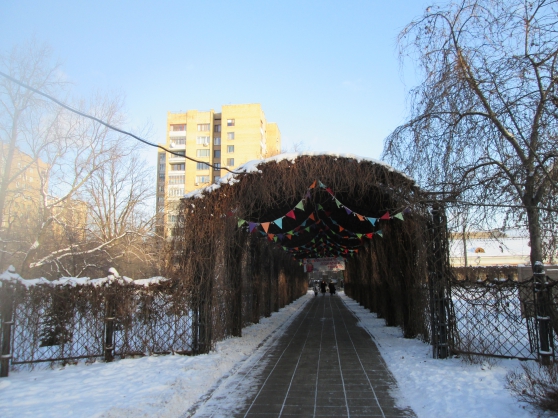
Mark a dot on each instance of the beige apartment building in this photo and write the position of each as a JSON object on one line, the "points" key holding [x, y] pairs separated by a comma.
{"points": [[236, 135]]}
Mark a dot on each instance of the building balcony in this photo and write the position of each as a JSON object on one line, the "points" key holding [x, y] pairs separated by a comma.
{"points": [[176, 159], [174, 145], [177, 134]]}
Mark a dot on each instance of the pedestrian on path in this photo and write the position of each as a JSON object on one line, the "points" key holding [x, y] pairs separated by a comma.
{"points": [[332, 288], [323, 287]]}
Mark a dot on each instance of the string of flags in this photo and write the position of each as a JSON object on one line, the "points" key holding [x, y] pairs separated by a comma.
{"points": [[326, 237]]}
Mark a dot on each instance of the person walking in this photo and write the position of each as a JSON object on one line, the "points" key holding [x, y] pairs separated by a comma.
{"points": [[332, 288], [323, 287]]}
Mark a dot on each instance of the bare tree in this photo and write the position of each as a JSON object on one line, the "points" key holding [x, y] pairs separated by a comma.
{"points": [[483, 123]]}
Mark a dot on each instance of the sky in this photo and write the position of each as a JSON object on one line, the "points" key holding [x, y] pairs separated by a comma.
{"points": [[328, 73]]}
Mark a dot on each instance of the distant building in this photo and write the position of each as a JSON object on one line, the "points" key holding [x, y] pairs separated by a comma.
{"points": [[236, 135], [490, 248], [24, 192]]}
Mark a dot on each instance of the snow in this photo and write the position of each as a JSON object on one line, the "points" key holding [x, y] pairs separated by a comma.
{"points": [[252, 167], [10, 276], [167, 386]]}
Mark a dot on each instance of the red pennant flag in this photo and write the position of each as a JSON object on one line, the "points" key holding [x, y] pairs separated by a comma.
{"points": [[270, 237], [328, 213], [229, 213], [291, 214], [369, 235], [385, 217], [313, 185], [341, 228], [329, 191], [289, 236], [312, 216], [265, 226]]}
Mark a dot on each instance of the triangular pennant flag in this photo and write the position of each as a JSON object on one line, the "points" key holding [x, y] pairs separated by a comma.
{"points": [[320, 207], [359, 235], [385, 217], [360, 217], [372, 220], [279, 222], [308, 195], [307, 229], [323, 186], [338, 203], [230, 213], [300, 205], [252, 226], [334, 222], [349, 211], [241, 222], [341, 228], [369, 235], [399, 216], [380, 233], [281, 237], [291, 214], [265, 226], [313, 185], [270, 236], [289, 236], [312, 216], [329, 191], [275, 238]]}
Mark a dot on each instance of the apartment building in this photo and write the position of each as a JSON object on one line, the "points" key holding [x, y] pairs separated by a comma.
{"points": [[236, 135]]}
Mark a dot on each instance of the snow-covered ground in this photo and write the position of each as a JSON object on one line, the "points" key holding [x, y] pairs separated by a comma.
{"points": [[167, 386]]}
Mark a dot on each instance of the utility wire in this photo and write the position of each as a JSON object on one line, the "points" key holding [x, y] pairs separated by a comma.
{"points": [[114, 128]]}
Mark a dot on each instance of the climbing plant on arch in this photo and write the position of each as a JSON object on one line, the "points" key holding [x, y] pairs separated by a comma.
{"points": [[238, 245]]}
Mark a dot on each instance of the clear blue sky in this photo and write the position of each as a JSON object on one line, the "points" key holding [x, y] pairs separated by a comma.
{"points": [[326, 71]]}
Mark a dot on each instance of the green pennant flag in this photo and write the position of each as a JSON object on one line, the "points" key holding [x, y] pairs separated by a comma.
{"points": [[307, 229], [241, 222], [399, 216], [275, 238], [359, 235], [380, 233], [338, 203], [320, 207], [300, 205]]}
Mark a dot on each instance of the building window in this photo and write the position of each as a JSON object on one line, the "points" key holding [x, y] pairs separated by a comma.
{"points": [[180, 154], [178, 167], [202, 152], [230, 149], [230, 135], [230, 162], [230, 122], [162, 158], [160, 199], [202, 140], [202, 179], [173, 218], [176, 179], [217, 140], [216, 179], [179, 127], [178, 141], [176, 192], [202, 166], [161, 167], [216, 166], [217, 153], [162, 175], [217, 128], [203, 127]]}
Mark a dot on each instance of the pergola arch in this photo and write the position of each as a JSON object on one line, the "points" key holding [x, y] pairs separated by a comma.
{"points": [[238, 245]]}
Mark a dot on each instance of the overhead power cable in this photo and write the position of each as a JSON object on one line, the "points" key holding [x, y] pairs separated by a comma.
{"points": [[114, 128]]}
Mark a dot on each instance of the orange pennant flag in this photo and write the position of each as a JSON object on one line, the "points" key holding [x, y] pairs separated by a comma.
{"points": [[360, 217], [311, 216], [289, 236], [341, 228], [313, 185], [265, 226], [270, 236]]}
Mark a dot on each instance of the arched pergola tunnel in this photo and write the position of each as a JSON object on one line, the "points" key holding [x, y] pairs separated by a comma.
{"points": [[238, 246]]}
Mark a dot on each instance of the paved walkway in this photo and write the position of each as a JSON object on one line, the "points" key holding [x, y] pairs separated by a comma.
{"points": [[322, 365]]}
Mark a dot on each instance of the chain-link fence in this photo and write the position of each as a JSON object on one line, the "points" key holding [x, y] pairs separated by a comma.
{"points": [[505, 318]]}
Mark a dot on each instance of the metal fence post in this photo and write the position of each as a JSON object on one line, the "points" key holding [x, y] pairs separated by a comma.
{"points": [[542, 299], [109, 329], [7, 317]]}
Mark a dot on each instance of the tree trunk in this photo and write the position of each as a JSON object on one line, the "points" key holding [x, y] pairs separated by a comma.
{"points": [[533, 218]]}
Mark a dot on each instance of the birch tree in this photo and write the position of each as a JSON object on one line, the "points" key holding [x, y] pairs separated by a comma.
{"points": [[483, 120]]}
